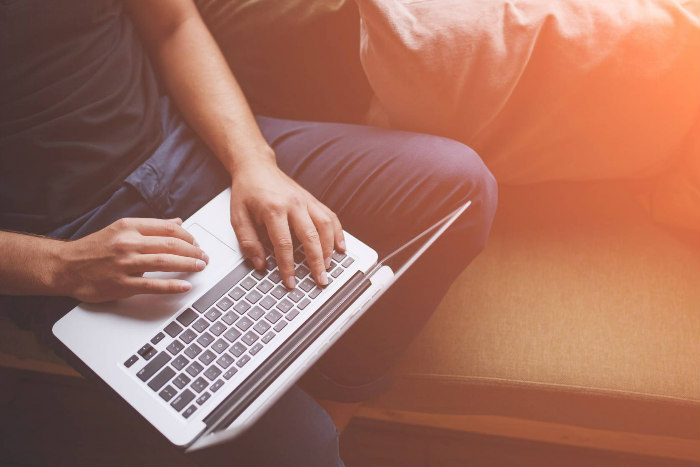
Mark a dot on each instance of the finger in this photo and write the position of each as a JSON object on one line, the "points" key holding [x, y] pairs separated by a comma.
{"points": [[281, 239], [323, 221], [338, 234], [151, 285], [171, 245], [162, 227], [306, 232], [164, 263], [247, 236]]}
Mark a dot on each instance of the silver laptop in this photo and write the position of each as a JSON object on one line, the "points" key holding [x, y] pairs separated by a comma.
{"points": [[203, 366]]}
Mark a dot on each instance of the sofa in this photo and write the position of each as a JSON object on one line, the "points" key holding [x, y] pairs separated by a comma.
{"points": [[573, 339]]}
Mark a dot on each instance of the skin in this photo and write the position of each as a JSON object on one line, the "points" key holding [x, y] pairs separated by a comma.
{"points": [[109, 264]]}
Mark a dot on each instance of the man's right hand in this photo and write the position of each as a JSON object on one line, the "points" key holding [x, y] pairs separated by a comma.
{"points": [[109, 264]]}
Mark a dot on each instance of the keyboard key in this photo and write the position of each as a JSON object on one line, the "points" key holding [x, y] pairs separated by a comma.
{"points": [[151, 353], [167, 393], [275, 276], [244, 323], [253, 296], [225, 303], [204, 340], [186, 317], [161, 378], [219, 346], [270, 263], [133, 359], [295, 295], [261, 328], [182, 400], [241, 307], [336, 272], [248, 283], [190, 410], [199, 384], [157, 338], [207, 357], [229, 317], [307, 284], [201, 324], [175, 347], [232, 334], [258, 274], [265, 286], [181, 380], [193, 350], [267, 302], [225, 361], [221, 287], [279, 291], [212, 314], [302, 271], [268, 337], [216, 386], [229, 373], [188, 336], [180, 362], [292, 314], [304, 303], [238, 349], [212, 372], [338, 256], [279, 326], [237, 293], [273, 316], [153, 366], [173, 329], [203, 398], [194, 369], [249, 338], [255, 313], [145, 350], [298, 255], [348, 261], [315, 292], [217, 328], [242, 361], [285, 305], [256, 348]]}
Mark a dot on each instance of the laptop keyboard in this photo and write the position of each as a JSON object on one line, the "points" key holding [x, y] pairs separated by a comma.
{"points": [[225, 329]]}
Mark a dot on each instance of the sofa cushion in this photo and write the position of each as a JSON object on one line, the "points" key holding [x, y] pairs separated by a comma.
{"points": [[295, 59], [580, 311]]}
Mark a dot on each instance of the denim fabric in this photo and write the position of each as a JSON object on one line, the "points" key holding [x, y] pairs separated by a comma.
{"points": [[386, 186]]}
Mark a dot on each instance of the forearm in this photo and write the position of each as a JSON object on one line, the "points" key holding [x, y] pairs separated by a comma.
{"points": [[203, 87], [29, 264]]}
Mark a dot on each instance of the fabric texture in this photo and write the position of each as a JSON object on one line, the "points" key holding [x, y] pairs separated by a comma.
{"points": [[543, 90], [295, 59], [79, 109]]}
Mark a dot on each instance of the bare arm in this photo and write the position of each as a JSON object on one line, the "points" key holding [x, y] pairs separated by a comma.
{"points": [[207, 94], [106, 265]]}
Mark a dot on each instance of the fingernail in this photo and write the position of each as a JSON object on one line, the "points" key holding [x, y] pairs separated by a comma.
{"points": [[341, 244], [195, 243], [200, 264], [324, 278], [327, 262], [185, 286], [205, 257], [291, 282], [258, 262]]}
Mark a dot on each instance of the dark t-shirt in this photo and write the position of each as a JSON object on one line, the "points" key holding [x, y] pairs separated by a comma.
{"points": [[78, 108]]}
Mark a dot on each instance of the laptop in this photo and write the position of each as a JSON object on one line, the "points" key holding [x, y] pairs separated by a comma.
{"points": [[202, 367]]}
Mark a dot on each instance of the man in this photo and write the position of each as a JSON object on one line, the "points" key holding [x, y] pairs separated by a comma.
{"points": [[100, 162]]}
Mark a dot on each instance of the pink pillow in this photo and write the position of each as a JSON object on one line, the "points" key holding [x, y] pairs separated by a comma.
{"points": [[542, 89]]}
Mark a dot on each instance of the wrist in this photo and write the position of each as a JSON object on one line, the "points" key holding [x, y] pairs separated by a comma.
{"points": [[242, 161], [56, 278]]}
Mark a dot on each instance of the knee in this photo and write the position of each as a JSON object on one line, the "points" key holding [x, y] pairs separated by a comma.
{"points": [[459, 175]]}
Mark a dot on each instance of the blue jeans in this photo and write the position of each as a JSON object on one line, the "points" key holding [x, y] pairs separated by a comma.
{"points": [[385, 186]]}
